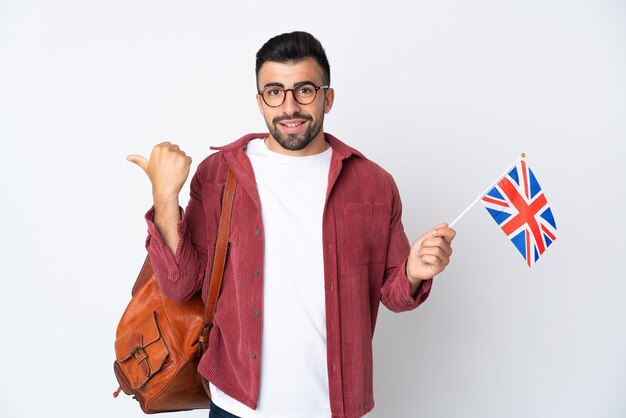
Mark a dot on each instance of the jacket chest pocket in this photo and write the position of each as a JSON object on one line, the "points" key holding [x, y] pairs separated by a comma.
{"points": [[363, 232]]}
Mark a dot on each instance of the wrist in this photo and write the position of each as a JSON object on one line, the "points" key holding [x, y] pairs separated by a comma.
{"points": [[412, 278], [165, 199], [166, 211], [414, 283]]}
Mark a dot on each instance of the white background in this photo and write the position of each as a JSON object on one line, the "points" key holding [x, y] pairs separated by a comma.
{"points": [[442, 94]]}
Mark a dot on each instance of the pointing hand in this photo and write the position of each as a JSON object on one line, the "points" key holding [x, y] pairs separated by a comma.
{"points": [[167, 169]]}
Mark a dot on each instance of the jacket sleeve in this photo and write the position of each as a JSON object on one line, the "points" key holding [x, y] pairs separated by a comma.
{"points": [[395, 292], [181, 275]]}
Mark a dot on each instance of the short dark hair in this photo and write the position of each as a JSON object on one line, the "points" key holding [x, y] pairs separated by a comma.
{"points": [[293, 46]]}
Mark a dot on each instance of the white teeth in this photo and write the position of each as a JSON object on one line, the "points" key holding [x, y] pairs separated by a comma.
{"points": [[292, 125]]}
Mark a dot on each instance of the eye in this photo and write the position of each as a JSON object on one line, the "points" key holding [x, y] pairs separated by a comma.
{"points": [[274, 92], [306, 90]]}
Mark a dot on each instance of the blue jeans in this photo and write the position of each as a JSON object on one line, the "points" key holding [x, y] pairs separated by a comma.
{"points": [[217, 412]]}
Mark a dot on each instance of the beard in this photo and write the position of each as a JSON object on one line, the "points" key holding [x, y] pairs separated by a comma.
{"points": [[295, 142]]}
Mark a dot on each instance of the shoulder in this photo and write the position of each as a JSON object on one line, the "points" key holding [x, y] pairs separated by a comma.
{"points": [[213, 168], [357, 163], [369, 173], [363, 180], [208, 170]]}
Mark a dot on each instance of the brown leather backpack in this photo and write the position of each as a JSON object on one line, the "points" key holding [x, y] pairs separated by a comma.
{"points": [[159, 342]]}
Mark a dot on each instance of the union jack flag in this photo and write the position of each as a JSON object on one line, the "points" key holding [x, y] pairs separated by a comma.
{"points": [[520, 207]]}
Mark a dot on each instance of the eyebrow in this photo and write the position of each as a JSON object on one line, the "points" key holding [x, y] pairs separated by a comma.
{"points": [[298, 84]]}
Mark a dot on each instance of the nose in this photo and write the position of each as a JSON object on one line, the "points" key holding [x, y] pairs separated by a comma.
{"points": [[290, 105]]}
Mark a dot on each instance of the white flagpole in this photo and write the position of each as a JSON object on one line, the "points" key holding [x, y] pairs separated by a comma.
{"points": [[487, 189]]}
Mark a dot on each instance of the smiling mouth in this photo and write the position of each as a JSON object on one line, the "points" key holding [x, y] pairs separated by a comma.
{"points": [[292, 124]]}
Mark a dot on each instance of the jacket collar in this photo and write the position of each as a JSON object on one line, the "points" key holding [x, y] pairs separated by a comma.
{"points": [[235, 156]]}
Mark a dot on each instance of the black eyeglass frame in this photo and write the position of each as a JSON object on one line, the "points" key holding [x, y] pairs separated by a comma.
{"points": [[316, 88]]}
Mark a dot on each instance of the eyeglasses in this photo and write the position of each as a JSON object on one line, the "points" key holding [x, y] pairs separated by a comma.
{"points": [[305, 94]]}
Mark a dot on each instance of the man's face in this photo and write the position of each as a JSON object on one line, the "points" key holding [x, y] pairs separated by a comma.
{"points": [[293, 125]]}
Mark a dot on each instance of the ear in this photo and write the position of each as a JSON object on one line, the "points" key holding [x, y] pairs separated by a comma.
{"points": [[329, 99], [259, 102]]}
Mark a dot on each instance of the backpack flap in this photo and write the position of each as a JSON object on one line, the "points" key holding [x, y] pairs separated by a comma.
{"points": [[141, 352]]}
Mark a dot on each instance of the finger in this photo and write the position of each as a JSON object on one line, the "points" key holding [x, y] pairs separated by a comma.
{"points": [[434, 262], [139, 160], [167, 146], [445, 232], [433, 251], [183, 154], [429, 234], [438, 242], [434, 242]]}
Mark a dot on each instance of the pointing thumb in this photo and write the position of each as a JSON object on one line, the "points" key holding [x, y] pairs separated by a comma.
{"points": [[139, 160]]}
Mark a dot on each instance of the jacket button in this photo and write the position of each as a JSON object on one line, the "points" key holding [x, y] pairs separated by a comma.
{"points": [[257, 232], [255, 314], [255, 273], [253, 355]]}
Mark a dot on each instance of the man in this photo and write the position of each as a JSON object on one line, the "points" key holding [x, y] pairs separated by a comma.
{"points": [[316, 244]]}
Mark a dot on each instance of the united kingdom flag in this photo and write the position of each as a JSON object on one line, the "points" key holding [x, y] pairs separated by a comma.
{"points": [[520, 207]]}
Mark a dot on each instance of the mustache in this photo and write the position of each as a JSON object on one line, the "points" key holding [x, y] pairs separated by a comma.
{"points": [[296, 115]]}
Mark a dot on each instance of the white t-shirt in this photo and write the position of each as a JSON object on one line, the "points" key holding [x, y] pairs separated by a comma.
{"points": [[294, 376]]}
